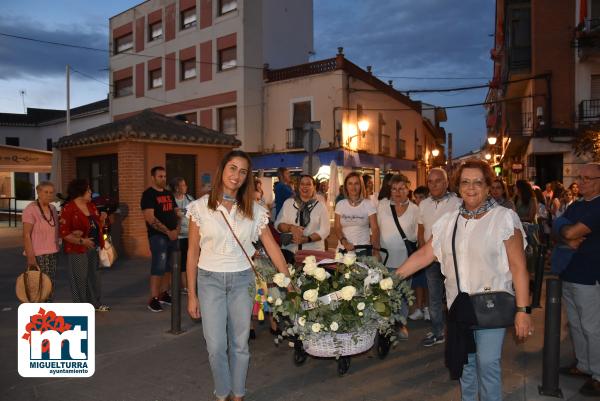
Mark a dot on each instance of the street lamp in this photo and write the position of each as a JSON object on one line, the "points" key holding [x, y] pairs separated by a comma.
{"points": [[363, 126], [435, 152], [488, 156], [492, 140]]}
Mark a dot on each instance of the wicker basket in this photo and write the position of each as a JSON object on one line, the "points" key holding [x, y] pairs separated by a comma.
{"points": [[339, 344]]}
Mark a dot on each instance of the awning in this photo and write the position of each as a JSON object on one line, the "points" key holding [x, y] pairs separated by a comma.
{"points": [[14, 159], [517, 146]]}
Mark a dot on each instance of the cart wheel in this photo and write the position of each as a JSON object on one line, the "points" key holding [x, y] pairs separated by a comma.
{"points": [[343, 365], [383, 346], [299, 354]]}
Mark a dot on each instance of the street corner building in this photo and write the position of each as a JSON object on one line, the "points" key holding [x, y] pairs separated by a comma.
{"points": [[117, 157]]}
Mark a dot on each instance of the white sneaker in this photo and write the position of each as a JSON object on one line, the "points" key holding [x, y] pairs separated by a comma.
{"points": [[426, 313], [417, 315]]}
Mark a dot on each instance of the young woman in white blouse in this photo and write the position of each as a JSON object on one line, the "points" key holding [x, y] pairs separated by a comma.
{"points": [[490, 255], [305, 217], [356, 218], [218, 223]]}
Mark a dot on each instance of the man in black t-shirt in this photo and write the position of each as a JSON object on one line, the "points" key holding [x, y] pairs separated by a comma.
{"points": [[160, 212]]}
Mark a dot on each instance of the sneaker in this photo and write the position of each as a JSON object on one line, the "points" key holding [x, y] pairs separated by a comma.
{"points": [[103, 308], [426, 314], [431, 340], [572, 371], [591, 388], [164, 298], [403, 333], [154, 305], [416, 315]]}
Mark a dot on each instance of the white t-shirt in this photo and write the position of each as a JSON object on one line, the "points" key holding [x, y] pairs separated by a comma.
{"points": [[355, 220], [430, 211], [390, 236], [182, 205], [220, 251], [319, 223], [480, 251]]}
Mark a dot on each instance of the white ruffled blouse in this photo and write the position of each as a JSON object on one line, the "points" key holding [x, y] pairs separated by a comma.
{"points": [[480, 251], [219, 251]]}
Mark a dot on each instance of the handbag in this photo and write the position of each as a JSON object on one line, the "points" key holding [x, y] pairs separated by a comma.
{"points": [[33, 285], [107, 254], [411, 246], [493, 309]]}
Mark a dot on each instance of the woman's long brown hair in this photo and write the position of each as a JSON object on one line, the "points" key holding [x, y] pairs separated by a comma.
{"points": [[245, 194]]}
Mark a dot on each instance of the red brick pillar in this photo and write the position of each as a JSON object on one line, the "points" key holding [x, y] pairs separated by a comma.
{"points": [[132, 176]]}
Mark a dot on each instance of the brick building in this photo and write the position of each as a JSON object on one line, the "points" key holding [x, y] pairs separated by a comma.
{"points": [[116, 158]]}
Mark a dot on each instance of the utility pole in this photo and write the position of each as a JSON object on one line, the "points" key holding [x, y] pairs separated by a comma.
{"points": [[68, 119], [22, 93]]}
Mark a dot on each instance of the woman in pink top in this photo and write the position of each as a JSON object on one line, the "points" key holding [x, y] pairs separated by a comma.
{"points": [[40, 232]]}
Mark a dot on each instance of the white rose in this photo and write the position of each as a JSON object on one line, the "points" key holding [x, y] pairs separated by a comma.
{"points": [[278, 302], [281, 280], [310, 268], [334, 326], [302, 321], [291, 270], [339, 257], [310, 260], [348, 292], [386, 283], [347, 276], [360, 306], [360, 313], [270, 299], [320, 274], [316, 327], [310, 295], [349, 258]]}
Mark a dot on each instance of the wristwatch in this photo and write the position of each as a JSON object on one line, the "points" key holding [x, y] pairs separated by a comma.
{"points": [[524, 309]]}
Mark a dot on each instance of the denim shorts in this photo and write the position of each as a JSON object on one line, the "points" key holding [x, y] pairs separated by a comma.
{"points": [[161, 248]]}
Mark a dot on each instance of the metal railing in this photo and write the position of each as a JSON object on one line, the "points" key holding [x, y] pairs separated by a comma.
{"points": [[295, 137], [301, 70], [589, 110]]}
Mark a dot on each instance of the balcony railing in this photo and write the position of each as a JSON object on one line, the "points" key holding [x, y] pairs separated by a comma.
{"points": [[295, 137], [301, 70], [521, 124], [589, 110]]}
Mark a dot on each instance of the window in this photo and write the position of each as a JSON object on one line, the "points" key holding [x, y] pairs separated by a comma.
{"points": [[101, 172], [401, 148], [228, 120], [188, 69], [226, 6], [124, 87], [419, 155], [191, 118], [227, 58], [188, 18], [155, 78], [123, 43], [11, 141], [49, 144], [24, 183], [155, 31]]}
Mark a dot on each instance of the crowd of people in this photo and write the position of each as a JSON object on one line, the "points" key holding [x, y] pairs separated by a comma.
{"points": [[449, 239]]}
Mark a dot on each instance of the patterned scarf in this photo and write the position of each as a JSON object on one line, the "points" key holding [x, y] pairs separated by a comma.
{"points": [[488, 205], [304, 209], [441, 198]]}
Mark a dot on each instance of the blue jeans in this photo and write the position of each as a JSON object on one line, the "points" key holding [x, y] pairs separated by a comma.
{"points": [[435, 284], [161, 248], [226, 306], [483, 372]]}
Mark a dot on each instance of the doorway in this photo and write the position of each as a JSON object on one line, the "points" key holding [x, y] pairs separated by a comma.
{"points": [[183, 166], [548, 168]]}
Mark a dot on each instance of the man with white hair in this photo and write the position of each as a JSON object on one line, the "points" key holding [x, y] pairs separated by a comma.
{"points": [[581, 279], [439, 202]]}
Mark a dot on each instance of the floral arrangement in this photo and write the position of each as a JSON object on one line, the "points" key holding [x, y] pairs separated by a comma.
{"points": [[347, 296]]}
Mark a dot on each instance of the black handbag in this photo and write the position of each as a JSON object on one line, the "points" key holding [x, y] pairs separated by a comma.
{"points": [[411, 246], [494, 309]]}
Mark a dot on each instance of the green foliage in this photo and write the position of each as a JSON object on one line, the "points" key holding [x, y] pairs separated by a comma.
{"points": [[587, 143]]}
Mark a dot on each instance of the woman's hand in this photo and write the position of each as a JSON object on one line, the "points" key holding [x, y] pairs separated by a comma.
{"points": [[349, 246], [193, 306], [88, 243], [523, 325], [377, 255], [32, 261]]}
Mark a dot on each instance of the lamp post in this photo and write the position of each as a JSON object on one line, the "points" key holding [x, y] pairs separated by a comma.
{"points": [[492, 140], [488, 157], [435, 152], [363, 127]]}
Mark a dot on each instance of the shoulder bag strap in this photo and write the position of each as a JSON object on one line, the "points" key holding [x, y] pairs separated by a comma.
{"points": [[454, 252], [397, 222], [241, 246]]}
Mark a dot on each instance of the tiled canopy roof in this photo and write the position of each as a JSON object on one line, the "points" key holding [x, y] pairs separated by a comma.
{"points": [[149, 126]]}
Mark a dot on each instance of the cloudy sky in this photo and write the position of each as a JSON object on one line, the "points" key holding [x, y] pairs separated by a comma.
{"points": [[399, 38]]}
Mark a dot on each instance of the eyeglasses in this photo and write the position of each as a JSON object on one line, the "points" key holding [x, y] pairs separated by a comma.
{"points": [[474, 183], [585, 178]]}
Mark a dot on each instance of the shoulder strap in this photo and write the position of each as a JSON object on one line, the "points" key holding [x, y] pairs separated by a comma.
{"points": [[240, 244], [397, 222], [454, 253]]}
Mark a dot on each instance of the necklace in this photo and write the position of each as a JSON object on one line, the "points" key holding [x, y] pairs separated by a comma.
{"points": [[402, 203], [355, 202], [49, 220], [229, 198]]}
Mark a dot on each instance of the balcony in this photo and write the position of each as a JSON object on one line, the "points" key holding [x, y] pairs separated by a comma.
{"points": [[589, 111], [520, 124], [295, 137]]}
